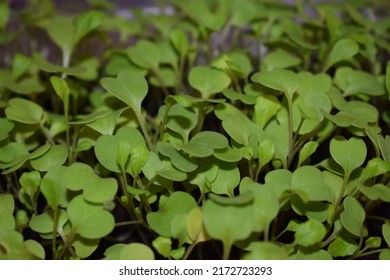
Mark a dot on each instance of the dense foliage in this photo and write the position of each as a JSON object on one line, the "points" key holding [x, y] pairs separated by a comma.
{"points": [[208, 129]]}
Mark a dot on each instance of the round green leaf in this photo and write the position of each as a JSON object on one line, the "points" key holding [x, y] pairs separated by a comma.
{"points": [[181, 120], [208, 81], [168, 171], [177, 203], [55, 156], [385, 255], [80, 176], [308, 182], [5, 127], [237, 128], [265, 251], [11, 154], [279, 59], [204, 175], [265, 208], [228, 223], [13, 247], [163, 245], [376, 167], [354, 82], [204, 143], [228, 154], [373, 242], [145, 54], [136, 251], [386, 232], [179, 160], [90, 221], [354, 113], [353, 216], [84, 247], [244, 98], [106, 147], [342, 246], [24, 111], [311, 254], [375, 192], [35, 248], [352, 159], [113, 252], [227, 179], [43, 223], [310, 233]]}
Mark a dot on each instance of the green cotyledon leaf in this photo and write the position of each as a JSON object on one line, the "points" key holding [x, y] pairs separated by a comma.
{"points": [[89, 220], [343, 49], [228, 223], [208, 81], [349, 161], [353, 216], [284, 80], [129, 86], [177, 203]]}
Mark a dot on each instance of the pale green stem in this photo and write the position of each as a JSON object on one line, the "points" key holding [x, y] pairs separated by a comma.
{"points": [[291, 132], [66, 55], [343, 189], [226, 251], [67, 243], [127, 223], [130, 204], [188, 251], [55, 225], [141, 122]]}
